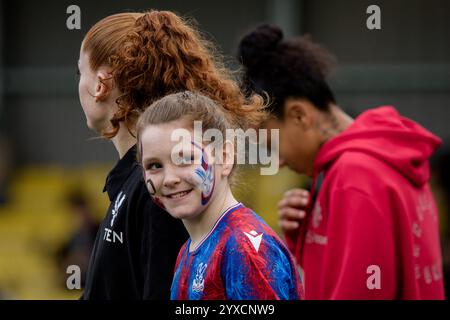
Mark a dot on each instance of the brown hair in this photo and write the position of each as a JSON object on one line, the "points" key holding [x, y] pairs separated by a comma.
{"points": [[156, 53], [185, 105]]}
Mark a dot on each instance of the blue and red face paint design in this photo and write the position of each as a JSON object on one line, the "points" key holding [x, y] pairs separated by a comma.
{"points": [[241, 258], [204, 175]]}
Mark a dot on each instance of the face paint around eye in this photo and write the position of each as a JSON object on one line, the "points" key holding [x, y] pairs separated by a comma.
{"points": [[204, 176]]}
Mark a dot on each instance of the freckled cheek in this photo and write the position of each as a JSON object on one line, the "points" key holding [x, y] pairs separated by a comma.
{"points": [[83, 94], [80, 91], [81, 85]]}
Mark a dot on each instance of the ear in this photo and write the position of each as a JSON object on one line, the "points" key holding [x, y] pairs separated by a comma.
{"points": [[300, 111], [228, 158], [105, 82]]}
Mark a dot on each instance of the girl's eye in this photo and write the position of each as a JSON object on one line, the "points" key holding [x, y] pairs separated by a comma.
{"points": [[153, 166]]}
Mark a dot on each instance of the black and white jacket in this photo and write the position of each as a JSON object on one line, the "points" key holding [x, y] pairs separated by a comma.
{"points": [[137, 243]]}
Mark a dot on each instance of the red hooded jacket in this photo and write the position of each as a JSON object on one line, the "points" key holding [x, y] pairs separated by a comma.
{"points": [[373, 231]]}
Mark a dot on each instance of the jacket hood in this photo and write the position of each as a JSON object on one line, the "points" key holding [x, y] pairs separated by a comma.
{"points": [[383, 133]]}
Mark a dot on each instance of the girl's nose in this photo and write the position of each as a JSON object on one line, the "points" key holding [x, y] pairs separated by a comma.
{"points": [[171, 179]]}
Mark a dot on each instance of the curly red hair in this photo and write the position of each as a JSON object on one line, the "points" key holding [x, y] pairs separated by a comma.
{"points": [[156, 53]]}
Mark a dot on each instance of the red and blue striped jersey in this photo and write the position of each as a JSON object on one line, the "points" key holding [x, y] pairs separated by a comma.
{"points": [[241, 258]]}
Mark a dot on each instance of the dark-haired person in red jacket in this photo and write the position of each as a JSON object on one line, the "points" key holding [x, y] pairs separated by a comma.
{"points": [[371, 231]]}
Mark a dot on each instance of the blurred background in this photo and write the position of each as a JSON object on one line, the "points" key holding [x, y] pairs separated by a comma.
{"points": [[52, 168]]}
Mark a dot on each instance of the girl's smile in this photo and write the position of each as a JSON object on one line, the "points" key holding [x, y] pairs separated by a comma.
{"points": [[177, 196]]}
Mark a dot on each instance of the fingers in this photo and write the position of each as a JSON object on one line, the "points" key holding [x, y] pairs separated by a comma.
{"points": [[288, 226], [288, 213], [297, 198], [298, 192], [291, 209], [290, 218]]}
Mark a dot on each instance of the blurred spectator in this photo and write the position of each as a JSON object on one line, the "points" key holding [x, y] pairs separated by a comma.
{"points": [[77, 250]]}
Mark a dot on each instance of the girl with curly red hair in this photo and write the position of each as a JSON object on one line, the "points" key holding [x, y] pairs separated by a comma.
{"points": [[127, 61]]}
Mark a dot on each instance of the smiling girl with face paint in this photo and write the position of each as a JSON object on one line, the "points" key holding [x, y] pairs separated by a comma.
{"points": [[231, 253], [194, 168]]}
